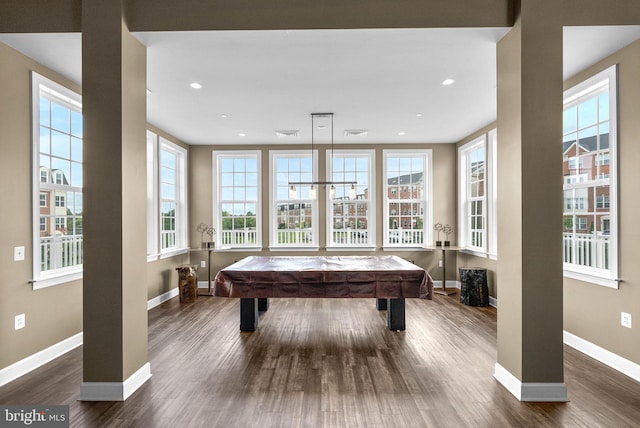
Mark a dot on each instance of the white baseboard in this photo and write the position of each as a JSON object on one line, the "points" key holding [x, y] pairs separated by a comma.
{"points": [[450, 284], [530, 391], [115, 391], [32, 362], [162, 298], [598, 353], [38, 359], [493, 302]]}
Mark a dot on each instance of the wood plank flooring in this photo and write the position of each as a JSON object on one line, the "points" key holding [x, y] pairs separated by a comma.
{"points": [[329, 363]]}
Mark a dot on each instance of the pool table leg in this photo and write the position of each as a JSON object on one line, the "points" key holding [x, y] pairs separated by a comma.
{"points": [[381, 304], [395, 314], [263, 304], [248, 314]]}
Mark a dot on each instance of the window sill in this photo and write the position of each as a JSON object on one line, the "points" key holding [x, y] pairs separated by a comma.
{"points": [[152, 257], [237, 249], [173, 253], [351, 248], [294, 248], [474, 253], [56, 280], [592, 279], [414, 248]]}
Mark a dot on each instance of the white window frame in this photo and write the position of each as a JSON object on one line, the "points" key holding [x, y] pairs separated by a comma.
{"points": [[370, 245], [217, 157], [153, 215], [492, 194], [427, 225], [182, 243], [274, 156], [72, 100], [605, 79], [465, 199]]}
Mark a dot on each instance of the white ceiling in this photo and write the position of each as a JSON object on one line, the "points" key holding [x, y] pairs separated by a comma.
{"points": [[377, 80]]}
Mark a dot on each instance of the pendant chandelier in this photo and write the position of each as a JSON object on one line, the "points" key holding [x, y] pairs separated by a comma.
{"points": [[293, 193]]}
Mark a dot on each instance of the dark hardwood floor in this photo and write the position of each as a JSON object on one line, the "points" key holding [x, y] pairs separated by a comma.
{"points": [[329, 363]]}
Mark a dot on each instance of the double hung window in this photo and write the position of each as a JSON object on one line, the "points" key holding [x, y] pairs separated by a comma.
{"points": [[295, 220], [166, 197], [237, 199], [589, 147], [57, 183], [351, 217], [407, 198]]}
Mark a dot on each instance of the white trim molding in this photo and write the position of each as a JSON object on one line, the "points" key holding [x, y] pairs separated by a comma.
{"points": [[115, 391], [32, 362], [531, 391], [162, 298], [38, 359], [598, 353]]}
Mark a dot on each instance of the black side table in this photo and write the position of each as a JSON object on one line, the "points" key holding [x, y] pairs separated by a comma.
{"points": [[473, 287]]}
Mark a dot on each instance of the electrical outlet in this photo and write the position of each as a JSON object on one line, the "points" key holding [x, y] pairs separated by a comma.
{"points": [[203, 264], [439, 263], [20, 321], [625, 319], [18, 254]]}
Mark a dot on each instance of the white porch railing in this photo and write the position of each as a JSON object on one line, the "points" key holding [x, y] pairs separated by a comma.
{"points": [[239, 237], [406, 236], [350, 236], [294, 236], [586, 249], [60, 251]]}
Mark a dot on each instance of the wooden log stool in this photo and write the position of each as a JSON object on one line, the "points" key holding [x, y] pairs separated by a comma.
{"points": [[187, 283], [473, 287]]}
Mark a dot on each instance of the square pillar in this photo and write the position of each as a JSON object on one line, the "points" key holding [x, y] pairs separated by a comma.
{"points": [[114, 285], [530, 278]]}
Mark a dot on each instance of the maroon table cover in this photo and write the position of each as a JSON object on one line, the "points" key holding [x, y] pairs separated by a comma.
{"points": [[323, 276]]}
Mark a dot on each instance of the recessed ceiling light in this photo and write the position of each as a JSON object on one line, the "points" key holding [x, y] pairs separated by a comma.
{"points": [[355, 132], [401, 133], [195, 85], [418, 114], [447, 82], [242, 134], [224, 116], [284, 133]]}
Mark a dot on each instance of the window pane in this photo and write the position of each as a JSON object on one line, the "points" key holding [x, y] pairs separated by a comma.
{"points": [[76, 149], [588, 113], [76, 124], [60, 118], [76, 174], [45, 143], [60, 144], [45, 112]]}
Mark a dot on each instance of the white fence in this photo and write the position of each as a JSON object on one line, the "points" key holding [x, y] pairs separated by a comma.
{"points": [[239, 237], [406, 236], [60, 251], [294, 236], [586, 249], [350, 236]]}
